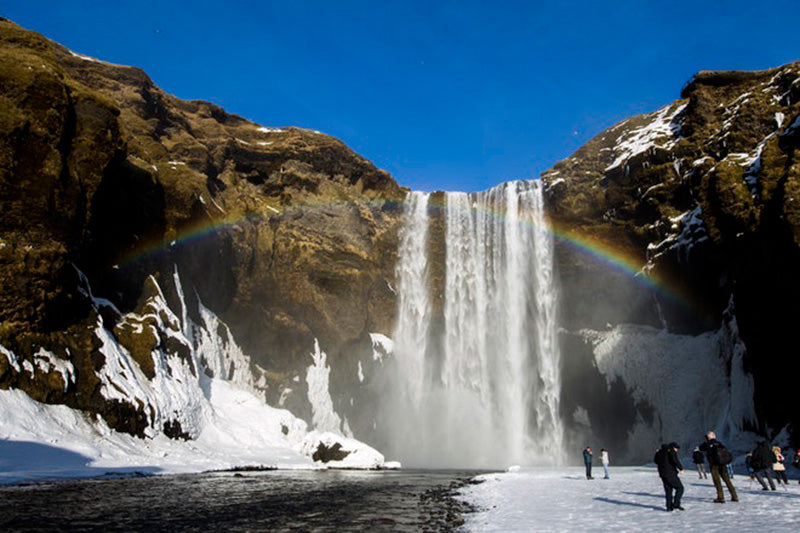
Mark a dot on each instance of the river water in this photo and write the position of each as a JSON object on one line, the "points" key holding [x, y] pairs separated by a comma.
{"points": [[249, 501]]}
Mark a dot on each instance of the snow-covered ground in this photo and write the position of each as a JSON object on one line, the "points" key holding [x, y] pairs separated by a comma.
{"points": [[39, 441], [562, 499]]}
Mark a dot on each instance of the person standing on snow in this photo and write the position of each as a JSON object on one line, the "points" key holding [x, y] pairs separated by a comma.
{"points": [[604, 460], [699, 461], [719, 470], [761, 461], [669, 466], [796, 460], [587, 461], [779, 467], [748, 459]]}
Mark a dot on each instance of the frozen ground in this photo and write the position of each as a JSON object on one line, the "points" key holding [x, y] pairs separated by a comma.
{"points": [[561, 499]]}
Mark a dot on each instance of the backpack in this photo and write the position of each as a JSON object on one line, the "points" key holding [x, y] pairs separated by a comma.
{"points": [[718, 454]]}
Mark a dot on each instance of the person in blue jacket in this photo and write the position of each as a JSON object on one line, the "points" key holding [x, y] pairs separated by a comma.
{"points": [[587, 461]]}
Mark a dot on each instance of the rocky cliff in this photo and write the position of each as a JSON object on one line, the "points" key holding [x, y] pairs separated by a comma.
{"points": [[138, 227], [111, 188], [703, 195]]}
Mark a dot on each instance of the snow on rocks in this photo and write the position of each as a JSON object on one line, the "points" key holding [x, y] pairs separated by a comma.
{"points": [[792, 128], [382, 346], [661, 131], [48, 362], [52, 441], [687, 230], [93, 59], [200, 391], [13, 361], [336, 451]]}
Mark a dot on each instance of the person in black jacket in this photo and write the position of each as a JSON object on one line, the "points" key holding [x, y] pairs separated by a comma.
{"points": [[669, 466], [761, 461], [719, 472], [699, 461]]}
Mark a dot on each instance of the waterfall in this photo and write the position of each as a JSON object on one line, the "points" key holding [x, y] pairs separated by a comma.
{"points": [[475, 375]]}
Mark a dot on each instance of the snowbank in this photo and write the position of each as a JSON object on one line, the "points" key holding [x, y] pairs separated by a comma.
{"points": [[342, 452], [204, 390], [41, 441]]}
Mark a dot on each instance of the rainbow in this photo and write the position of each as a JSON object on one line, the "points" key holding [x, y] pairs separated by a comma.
{"points": [[628, 263], [625, 262]]}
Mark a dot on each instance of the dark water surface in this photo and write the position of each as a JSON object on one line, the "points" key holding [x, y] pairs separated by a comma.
{"points": [[330, 500]]}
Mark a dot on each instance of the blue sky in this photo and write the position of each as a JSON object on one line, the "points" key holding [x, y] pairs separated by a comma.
{"points": [[454, 95]]}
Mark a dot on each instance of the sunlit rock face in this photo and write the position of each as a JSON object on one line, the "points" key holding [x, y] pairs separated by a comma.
{"points": [[138, 227], [106, 182], [702, 196]]}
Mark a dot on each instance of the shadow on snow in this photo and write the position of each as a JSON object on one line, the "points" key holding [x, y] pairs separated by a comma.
{"points": [[22, 461], [632, 504]]}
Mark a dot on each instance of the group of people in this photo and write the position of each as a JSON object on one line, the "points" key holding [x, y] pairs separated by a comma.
{"points": [[587, 461], [761, 462], [764, 461], [669, 467]]}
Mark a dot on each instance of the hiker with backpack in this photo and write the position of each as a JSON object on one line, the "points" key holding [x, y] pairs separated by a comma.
{"points": [[761, 461], [719, 458]]}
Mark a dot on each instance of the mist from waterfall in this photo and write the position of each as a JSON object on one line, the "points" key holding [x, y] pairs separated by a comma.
{"points": [[475, 376]]}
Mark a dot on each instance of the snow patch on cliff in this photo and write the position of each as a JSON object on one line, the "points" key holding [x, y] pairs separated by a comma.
{"points": [[687, 230], [661, 131], [382, 346]]}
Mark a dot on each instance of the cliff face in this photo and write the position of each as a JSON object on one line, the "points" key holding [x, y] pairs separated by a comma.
{"points": [[135, 225], [107, 182], [704, 195]]}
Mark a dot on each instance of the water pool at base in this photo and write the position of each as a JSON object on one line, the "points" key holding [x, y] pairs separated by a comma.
{"points": [[414, 500]]}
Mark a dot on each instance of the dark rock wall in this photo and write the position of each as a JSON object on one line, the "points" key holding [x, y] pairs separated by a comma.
{"points": [[287, 235], [731, 159]]}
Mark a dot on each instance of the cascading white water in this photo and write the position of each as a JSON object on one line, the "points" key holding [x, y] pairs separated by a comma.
{"points": [[483, 391], [414, 303]]}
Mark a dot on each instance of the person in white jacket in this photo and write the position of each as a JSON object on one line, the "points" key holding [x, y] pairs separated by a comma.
{"points": [[604, 460], [778, 466]]}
